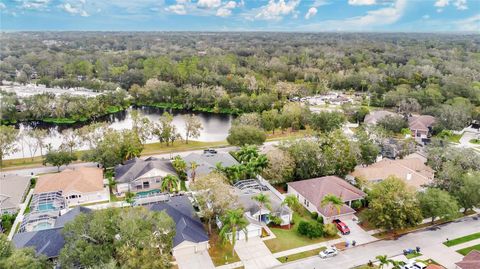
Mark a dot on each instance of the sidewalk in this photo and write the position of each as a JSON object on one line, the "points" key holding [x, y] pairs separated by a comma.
{"points": [[307, 248], [230, 266], [19, 218], [466, 244]]}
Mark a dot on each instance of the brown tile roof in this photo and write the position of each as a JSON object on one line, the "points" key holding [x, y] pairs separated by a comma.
{"points": [[412, 170], [471, 261], [316, 188], [435, 266], [84, 180], [420, 122]]}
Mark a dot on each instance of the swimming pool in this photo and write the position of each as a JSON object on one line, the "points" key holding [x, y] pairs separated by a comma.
{"points": [[147, 193], [42, 226], [46, 207]]}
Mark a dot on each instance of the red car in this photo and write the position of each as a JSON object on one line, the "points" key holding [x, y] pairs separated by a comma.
{"points": [[342, 227]]}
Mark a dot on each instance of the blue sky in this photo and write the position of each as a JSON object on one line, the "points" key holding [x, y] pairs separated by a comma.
{"points": [[242, 15]]}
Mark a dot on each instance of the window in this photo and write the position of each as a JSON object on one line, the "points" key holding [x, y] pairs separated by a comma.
{"points": [[146, 184]]}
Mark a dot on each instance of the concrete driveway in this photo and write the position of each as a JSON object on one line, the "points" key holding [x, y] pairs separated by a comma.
{"points": [[357, 233], [200, 260], [255, 255]]}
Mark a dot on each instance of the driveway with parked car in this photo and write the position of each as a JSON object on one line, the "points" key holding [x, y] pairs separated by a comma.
{"points": [[357, 234]]}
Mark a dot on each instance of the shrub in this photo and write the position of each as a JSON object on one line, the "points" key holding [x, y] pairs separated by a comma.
{"points": [[330, 229], [275, 220], [356, 204], [314, 215], [320, 219], [310, 229]]}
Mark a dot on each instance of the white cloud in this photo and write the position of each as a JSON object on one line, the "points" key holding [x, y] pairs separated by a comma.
{"points": [[35, 4], [361, 2], [318, 3], [275, 10], [177, 9], [426, 17], [469, 24], [461, 4], [209, 3], [2, 6], [310, 13], [224, 12], [74, 10], [230, 5], [442, 3]]}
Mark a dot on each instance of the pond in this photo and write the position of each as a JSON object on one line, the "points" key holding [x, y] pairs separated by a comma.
{"points": [[215, 127]]}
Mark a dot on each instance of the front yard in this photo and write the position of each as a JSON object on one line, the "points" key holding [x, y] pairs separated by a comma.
{"points": [[462, 240], [465, 251], [289, 238], [221, 253], [300, 255]]}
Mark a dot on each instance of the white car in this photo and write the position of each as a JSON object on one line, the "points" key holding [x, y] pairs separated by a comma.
{"points": [[419, 265], [329, 252]]}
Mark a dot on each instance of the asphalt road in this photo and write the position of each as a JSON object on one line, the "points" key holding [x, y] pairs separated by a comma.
{"points": [[429, 240]]}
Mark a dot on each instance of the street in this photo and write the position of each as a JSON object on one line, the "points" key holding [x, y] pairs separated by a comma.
{"points": [[429, 240]]}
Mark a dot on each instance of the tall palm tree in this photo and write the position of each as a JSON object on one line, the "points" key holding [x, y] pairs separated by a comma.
{"points": [[232, 222], [332, 201], [180, 166], [397, 264], [383, 260], [111, 184], [247, 153], [193, 169], [130, 197], [170, 183], [263, 201], [292, 202]]}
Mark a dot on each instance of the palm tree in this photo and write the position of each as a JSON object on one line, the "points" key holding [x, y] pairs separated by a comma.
{"points": [[292, 202], [193, 169], [180, 166], [383, 260], [129, 197], [232, 222], [111, 184], [333, 201], [397, 264], [170, 183], [247, 153], [263, 201]]}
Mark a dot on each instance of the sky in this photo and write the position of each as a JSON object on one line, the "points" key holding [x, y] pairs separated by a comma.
{"points": [[242, 15]]}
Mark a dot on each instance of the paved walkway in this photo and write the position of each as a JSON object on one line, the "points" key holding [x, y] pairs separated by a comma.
{"points": [[200, 260], [231, 265], [254, 254], [19, 218]]}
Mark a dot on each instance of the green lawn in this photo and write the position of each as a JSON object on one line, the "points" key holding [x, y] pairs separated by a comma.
{"points": [[462, 239], [475, 141], [413, 255], [300, 255], [465, 251], [288, 239], [221, 253]]}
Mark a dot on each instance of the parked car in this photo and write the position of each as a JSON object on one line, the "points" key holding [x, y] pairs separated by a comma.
{"points": [[211, 151], [419, 265], [408, 265], [341, 226], [408, 251], [329, 252]]}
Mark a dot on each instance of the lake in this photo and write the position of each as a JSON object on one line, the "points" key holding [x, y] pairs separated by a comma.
{"points": [[215, 127]]}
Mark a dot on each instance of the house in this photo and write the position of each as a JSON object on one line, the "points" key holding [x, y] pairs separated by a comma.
{"points": [[374, 117], [421, 125], [13, 190], [311, 192], [412, 170], [48, 242], [142, 175], [190, 236], [207, 162], [470, 261], [78, 186]]}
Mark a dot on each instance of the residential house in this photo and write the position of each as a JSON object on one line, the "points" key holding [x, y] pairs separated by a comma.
{"points": [[50, 241], [311, 192], [78, 186], [375, 116], [13, 190], [421, 126], [470, 261], [412, 170], [207, 162], [142, 175], [190, 236]]}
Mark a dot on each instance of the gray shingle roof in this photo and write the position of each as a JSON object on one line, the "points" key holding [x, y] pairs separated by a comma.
{"points": [[48, 242], [188, 226], [12, 189], [134, 168], [207, 162]]}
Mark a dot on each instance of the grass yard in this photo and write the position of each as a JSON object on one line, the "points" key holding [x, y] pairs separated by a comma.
{"points": [[461, 240], [475, 141], [221, 253], [288, 239], [413, 255], [465, 251], [300, 255]]}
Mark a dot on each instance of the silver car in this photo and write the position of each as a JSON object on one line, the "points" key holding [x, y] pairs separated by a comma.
{"points": [[329, 252]]}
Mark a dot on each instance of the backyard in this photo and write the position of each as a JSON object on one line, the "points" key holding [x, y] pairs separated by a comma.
{"points": [[289, 238]]}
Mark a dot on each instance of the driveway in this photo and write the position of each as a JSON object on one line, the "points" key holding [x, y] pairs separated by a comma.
{"points": [[357, 234], [254, 254], [200, 260]]}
